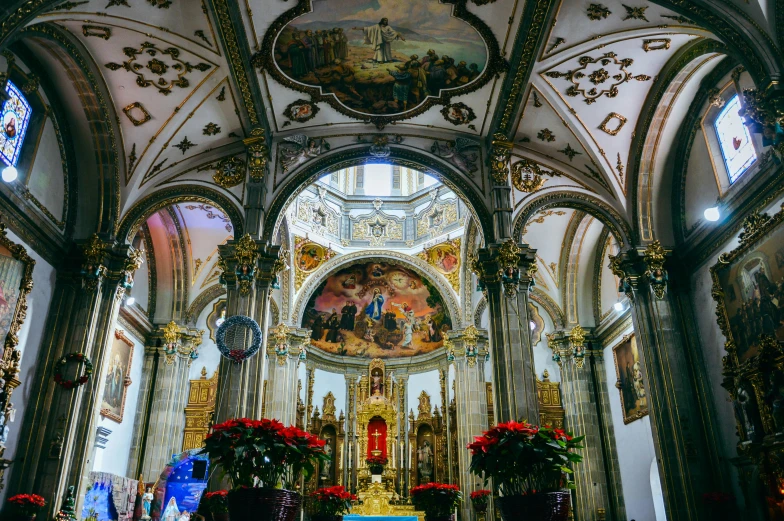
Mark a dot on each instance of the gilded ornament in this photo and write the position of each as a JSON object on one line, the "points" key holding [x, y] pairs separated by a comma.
{"points": [[753, 226], [229, 172], [97, 31], [577, 341], [184, 145], [160, 4], [763, 113], [613, 131], [656, 44], [528, 177], [211, 129], [715, 99], [137, 114], [635, 13], [445, 258], [597, 12], [247, 253], [570, 152], [93, 269], [499, 160], [258, 154], [654, 258], [199, 33], [679, 19], [546, 135], [611, 68], [557, 43]]}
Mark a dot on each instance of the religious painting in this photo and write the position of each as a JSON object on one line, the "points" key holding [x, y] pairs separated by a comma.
{"points": [[425, 456], [117, 377], [11, 273], [301, 111], [458, 113], [15, 115], [377, 310], [216, 317], [310, 256], [752, 290], [368, 59], [628, 369], [445, 258], [327, 470]]}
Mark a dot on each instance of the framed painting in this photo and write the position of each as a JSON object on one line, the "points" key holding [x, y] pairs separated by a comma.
{"points": [[630, 383], [117, 377], [748, 286], [16, 281]]}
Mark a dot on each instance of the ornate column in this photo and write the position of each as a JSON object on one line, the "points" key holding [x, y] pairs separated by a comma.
{"points": [[285, 351], [579, 398], [146, 387], [309, 381], [249, 270], [350, 452], [60, 425], [167, 397], [506, 272], [679, 409], [467, 349]]}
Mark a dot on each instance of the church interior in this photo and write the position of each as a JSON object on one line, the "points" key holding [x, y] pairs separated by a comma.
{"points": [[386, 235]]}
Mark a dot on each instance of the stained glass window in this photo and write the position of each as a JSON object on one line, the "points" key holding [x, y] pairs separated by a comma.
{"points": [[734, 140], [16, 116]]}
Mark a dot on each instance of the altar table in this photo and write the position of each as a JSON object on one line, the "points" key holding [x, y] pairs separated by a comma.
{"points": [[379, 518]]}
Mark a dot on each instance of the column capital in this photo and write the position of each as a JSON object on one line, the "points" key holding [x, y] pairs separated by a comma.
{"points": [[287, 343], [247, 260], [500, 154], [569, 345], [467, 345], [108, 261], [508, 262], [176, 342], [640, 267], [258, 154]]}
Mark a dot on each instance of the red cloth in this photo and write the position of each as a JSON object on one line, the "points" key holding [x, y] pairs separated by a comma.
{"points": [[379, 425]]}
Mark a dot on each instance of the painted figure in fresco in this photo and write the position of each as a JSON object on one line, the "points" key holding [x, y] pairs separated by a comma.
{"points": [[317, 329], [147, 503], [380, 36], [374, 309], [401, 87], [408, 333], [346, 317], [446, 260], [350, 283], [297, 52], [333, 324], [377, 270]]}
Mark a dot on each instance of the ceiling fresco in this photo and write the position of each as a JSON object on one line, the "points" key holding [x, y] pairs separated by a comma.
{"points": [[382, 61]]}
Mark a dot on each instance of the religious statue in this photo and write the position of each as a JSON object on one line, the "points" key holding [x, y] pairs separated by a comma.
{"points": [[326, 465], [425, 461], [377, 385], [172, 512], [147, 498]]}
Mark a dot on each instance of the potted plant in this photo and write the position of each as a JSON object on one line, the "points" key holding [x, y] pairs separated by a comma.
{"points": [[376, 464], [26, 506], [331, 503], [530, 466], [263, 461], [437, 500], [218, 504], [480, 499]]}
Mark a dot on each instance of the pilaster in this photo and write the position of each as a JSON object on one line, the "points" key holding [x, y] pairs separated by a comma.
{"points": [[467, 349], [60, 424], [350, 443], [141, 419], [678, 410], [506, 272], [285, 351]]}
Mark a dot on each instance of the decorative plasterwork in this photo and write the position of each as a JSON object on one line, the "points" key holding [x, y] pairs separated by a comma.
{"points": [[618, 126], [436, 217], [308, 257], [265, 58], [377, 227], [137, 114], [605, 74], [322, 219]]}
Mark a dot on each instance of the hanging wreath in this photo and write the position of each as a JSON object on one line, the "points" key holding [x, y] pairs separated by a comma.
{"points": [[232, 333], [79, 358]]}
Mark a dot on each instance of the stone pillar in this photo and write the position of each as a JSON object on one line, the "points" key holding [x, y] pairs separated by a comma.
{"points": [[285, 350], [249, 270], [309, 380], [167, 398], [350, 442], [468, 351], [60, 426], [140, 421], [679, 409], [506, 273], [579, 392], [403, 427]]}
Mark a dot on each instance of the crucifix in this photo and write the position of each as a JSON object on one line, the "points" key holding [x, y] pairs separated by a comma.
{"points": [[376, 435]]}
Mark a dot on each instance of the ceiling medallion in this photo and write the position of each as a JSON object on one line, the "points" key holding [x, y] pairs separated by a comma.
{"points": [[458, 114], [656, 44], [184, 145], [211, 129], [598, 71], [528, 176], [157, 67], [598, 12], [300, 111], [381, 68], [546, 135], [137, 114], [611, 116], [229, 172]]}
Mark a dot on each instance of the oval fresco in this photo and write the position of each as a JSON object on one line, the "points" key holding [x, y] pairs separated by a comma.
{"points": [[381, 57], [376, 310]]}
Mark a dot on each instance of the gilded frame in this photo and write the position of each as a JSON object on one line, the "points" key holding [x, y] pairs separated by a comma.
{"points": [[119, 334], [496, 64], [632, 342], [756, 228]]}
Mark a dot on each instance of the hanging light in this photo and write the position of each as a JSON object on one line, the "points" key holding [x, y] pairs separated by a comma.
{"points": [[10, 174], [712, 214]]}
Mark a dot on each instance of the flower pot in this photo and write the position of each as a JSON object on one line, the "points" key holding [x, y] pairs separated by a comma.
{"points": [[264, 504], [547, 506], [480, 509], [376, 469]]}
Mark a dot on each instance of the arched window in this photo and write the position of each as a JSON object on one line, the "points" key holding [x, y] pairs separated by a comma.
{"points": [[15, 119], [735, 142]]}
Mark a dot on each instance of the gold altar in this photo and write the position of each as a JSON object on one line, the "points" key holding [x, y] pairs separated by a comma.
{"points": [[377, 500]]}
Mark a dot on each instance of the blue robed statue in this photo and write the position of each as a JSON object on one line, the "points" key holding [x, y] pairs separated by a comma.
{"points": [[374, 308]]}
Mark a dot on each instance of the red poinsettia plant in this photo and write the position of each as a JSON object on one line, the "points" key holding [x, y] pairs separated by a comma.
{"points": [[436, 500], [480, 498], [217, 502], [332, 501], [263, 453], [27, 504], [522, 458], [376, 464]]}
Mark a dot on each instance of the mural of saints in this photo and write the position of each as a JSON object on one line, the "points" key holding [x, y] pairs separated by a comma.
{"points": [[376, 310]]}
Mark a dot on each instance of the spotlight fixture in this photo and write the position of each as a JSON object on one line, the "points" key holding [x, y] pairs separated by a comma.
{"points": [[618, 306], [712, 214], [130, 301], [10, 174]]}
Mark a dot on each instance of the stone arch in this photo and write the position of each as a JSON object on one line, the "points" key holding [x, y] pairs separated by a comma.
{"points": [[200, 302], [646, 146], [100, 207], [309, 172], [341, 261], [577, 201], [155, 201]]}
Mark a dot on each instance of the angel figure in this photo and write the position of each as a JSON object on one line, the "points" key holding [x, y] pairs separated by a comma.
{"points": [[462, 152], [299, 148]]}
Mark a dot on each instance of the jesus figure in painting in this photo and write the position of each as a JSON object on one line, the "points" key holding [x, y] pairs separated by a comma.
{"points": [[381, 36]]}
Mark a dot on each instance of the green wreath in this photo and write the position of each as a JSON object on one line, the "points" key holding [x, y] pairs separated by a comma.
{"points": [[72, 357]]}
